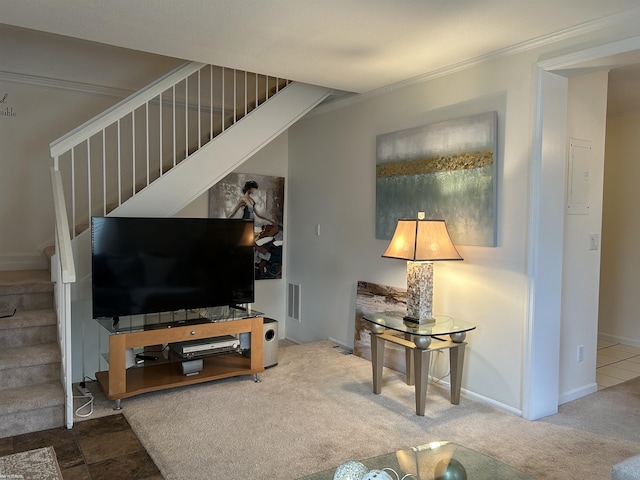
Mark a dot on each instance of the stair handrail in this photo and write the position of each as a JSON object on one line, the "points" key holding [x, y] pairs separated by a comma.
{"points": [[122, 108], [63, 268], [118, 153], [63, 238]]}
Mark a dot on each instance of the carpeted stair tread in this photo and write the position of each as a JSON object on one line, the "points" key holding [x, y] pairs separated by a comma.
{"points": [[28, 356], [15, 282], [29, 318], [21, 399]]}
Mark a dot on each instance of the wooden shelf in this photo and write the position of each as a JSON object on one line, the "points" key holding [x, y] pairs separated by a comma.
{"points": [[151, 378], [119, 382]]}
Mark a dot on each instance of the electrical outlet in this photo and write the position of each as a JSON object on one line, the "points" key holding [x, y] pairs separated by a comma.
{"points": [[580, 353]]}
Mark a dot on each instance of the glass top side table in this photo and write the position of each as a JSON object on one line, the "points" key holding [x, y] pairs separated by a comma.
{"points": [[418, 344]]}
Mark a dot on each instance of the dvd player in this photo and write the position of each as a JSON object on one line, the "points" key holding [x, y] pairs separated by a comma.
{"points": [[205, 346]]}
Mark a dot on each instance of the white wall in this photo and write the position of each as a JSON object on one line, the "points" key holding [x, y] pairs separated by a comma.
{"points": [[587, 108], [619, 320], [332, 179], [271, 160], [332, 183], [50, 85]]}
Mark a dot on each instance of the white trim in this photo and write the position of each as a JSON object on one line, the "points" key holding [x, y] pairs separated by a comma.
{"points": [[539, 295], [78, 87], [106, 118], [341, 344], [578, 393], [483, 399], [617, 339], [591, 54], [64, 250], [585, 55], [532, 254]]}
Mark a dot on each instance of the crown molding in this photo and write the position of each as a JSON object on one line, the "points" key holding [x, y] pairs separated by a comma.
{"points": [[577, 30], [67, 85]]}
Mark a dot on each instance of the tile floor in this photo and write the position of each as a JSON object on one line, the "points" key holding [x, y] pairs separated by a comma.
{"points": [[97, 449], [616, 363]]}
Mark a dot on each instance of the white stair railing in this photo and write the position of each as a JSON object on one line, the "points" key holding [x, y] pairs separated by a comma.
{"points": [[113, 156], [110, 158], [63, 273]]}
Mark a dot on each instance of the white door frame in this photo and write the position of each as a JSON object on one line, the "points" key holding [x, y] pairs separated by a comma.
{"points": [[541, 368]]}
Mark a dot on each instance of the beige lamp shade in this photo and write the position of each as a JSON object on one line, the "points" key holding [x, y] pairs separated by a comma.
{"points": [[421, 240]]}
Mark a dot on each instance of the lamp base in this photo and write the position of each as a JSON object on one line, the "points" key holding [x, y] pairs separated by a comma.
{"points": [[419, 321], [420, 291]]}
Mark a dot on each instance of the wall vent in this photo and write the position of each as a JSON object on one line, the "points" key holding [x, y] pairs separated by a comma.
{"points": [[293, 303]]}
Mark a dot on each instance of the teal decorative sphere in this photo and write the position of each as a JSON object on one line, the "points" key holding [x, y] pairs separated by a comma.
{"points": [[450, 469]]}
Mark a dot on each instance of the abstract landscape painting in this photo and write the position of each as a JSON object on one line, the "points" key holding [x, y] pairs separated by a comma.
{"points": [[447, 170]]}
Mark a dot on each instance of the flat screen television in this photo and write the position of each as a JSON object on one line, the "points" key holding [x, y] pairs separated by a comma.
{"points": [[149, 265]]}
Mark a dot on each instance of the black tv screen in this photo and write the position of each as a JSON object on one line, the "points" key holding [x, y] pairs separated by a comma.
{"points": [[148, 265]]}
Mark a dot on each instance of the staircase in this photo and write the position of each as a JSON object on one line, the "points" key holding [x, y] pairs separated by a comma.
{"points": [[151, 155], [31, 394]]}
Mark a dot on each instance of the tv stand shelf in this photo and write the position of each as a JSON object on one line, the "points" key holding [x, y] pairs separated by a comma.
{"points": [[119, 382]]}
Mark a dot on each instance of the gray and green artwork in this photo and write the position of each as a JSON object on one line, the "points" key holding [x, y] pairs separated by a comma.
{"points": [[446, 170]]}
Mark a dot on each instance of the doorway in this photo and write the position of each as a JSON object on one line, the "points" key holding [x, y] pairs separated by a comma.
{"points": [[544, 315]]}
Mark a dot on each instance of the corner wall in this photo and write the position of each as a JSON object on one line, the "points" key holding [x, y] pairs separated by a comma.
{"points": [[619, 320], [586, 120]]}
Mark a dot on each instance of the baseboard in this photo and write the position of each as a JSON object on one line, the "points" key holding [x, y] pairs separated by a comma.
{"points": [[634, 342], [23, 262], [487, 400], [577, 393], [447, 385], [342, 344]]}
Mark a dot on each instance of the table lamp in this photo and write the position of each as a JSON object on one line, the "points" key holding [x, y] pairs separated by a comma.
{"points": [[421, 242]]}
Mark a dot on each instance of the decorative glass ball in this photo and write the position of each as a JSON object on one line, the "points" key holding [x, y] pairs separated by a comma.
{"points": [[450, 469], [377, 475], [350, 470]]}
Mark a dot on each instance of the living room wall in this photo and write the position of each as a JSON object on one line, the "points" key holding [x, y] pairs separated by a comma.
{"points": [[51, 85], [332, 184], [271, 160]]}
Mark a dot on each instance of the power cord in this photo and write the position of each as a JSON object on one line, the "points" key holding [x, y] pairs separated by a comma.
{"points": [[86, 394], [436, 380]]}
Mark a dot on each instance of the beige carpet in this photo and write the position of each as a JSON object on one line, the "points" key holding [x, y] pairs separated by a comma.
{"points": [[316, 409]]}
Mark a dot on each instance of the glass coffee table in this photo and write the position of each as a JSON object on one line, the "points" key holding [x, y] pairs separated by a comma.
{"points": [[437, 460]]}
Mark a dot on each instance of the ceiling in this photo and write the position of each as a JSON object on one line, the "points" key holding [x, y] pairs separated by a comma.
{"points": [[350, 45]]}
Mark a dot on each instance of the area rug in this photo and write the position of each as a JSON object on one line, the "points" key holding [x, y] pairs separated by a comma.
{"points": [[38, 464]]}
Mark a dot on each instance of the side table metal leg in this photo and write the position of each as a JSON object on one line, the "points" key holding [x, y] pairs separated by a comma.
{"points": [[456, 361], [421, 361], [377, 360], [408, 352], [117, 404]]}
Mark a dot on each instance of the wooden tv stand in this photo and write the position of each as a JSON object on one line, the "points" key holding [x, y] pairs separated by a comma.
{"points": [[119, 382]]}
